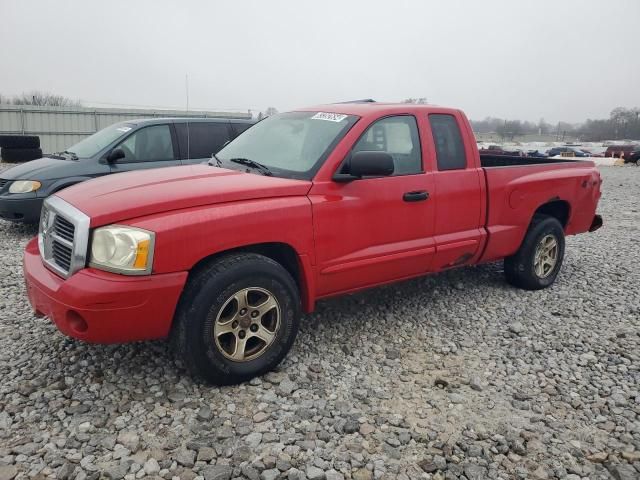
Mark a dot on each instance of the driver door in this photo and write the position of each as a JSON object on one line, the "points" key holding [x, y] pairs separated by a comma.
{"points": [[149, 147], [377, 229]]}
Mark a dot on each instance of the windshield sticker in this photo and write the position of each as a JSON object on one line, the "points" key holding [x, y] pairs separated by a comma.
{"points": [[330, 117], [123, 129]]}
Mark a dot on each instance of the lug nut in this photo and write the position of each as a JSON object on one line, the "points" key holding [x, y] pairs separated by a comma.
{"points": [[254, 328], [242, 334], [243, 311], [255, 313], [234, 324]]}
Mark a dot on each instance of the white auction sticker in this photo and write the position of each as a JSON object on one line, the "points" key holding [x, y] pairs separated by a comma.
{"points": [[330, 117], [123, 129]]}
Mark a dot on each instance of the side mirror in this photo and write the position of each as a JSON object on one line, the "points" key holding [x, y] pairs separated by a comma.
{"points": [[115, 155], [370, 164]]}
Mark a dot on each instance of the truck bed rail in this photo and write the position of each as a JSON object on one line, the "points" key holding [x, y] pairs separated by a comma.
{"points": [[489, 161]]}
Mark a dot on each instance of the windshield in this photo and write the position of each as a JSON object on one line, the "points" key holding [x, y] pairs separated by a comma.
{"points": [[99, 140], [293, 144]]}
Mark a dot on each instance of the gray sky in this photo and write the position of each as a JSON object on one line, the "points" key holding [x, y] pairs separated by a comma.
{"points": [[561, 60]]}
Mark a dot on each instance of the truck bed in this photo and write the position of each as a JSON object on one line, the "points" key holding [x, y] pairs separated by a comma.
{"points": [[490, 161], [514, 193]]}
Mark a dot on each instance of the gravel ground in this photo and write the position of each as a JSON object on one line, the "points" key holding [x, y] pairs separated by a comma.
{"points": [[452, 376]]}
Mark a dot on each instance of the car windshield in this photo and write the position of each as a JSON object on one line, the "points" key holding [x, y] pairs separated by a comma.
{"points": [[293, 144], [89, 146]]}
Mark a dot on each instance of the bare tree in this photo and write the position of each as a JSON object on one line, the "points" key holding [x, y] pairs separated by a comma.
{"points": [[509, 129], [44, 99]]}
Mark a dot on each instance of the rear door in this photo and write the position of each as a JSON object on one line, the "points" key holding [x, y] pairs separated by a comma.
{"points": [[375, 230], [153, 146], [198, 140], [459, 194]]}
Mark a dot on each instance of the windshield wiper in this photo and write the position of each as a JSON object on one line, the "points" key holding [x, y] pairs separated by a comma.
{"points": [[218, 161], [253, 164]]}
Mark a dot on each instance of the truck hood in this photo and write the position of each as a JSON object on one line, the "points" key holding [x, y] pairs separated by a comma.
{"points": [[116, 198]]}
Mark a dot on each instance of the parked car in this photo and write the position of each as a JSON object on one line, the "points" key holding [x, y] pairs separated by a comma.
{"points": [[498, 150], [617, 151], [634, 157], [571, 151], [125, 146], [305, 205], [536, 153]]}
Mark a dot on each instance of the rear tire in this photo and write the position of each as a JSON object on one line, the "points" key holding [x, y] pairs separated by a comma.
{"points": [[538, 260], [218, 341]]}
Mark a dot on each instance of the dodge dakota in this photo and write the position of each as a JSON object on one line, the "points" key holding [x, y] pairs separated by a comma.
{"points": [[223, 258]]}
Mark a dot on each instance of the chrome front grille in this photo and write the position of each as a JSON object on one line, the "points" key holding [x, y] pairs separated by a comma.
{"points": [[62, 255], [64, 228], [63, 236]]}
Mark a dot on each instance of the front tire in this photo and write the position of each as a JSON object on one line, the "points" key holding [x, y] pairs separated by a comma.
{"points": [[537, 262], [237, 318]]}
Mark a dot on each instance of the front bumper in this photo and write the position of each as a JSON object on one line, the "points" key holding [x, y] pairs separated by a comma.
{"points": [[25, 210], [101, 307]]}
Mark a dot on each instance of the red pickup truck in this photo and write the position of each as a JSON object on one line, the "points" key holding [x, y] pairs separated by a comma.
{"points": [[223, 258]]}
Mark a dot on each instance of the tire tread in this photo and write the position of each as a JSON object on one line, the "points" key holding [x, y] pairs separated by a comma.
{"points": [[515, 269], [187, 304]]}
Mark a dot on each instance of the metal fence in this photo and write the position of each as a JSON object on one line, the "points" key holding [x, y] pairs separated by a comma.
{"points": [[61, 127]]}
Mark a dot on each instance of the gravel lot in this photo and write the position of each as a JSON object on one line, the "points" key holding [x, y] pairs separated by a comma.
{"points": [[452, 376]]}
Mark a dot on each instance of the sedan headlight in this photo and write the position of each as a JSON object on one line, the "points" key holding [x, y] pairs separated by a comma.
{"points": [[24, 186], [121, 249]]}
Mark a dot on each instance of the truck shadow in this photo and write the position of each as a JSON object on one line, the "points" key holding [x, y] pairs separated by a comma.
{"points": [[421, 289], [154, 359]]}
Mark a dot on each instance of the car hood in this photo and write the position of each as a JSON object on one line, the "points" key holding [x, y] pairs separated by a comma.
{"points": [[41, 169], [116, 198]]}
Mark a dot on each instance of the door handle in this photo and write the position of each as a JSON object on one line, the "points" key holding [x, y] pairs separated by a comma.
{"points": [[416, 196]]}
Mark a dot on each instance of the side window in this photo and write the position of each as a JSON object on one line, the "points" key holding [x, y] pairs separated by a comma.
{"points": [[448, 139], [398, 136], [149, 144], [205, 138]]}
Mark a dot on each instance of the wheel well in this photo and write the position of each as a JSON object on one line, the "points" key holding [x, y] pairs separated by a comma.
{"points": [[559, 209], [282, 253]]}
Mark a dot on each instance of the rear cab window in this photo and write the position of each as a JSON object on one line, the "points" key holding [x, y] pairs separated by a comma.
{"points": [[450, 153]]}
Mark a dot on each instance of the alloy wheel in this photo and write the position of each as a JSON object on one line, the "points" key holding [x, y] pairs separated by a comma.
{"points": [[247, 324], [546, 256]]}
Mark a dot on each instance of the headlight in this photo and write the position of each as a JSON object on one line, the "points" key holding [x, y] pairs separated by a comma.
{"points": [[120, 249], [24, 186]]}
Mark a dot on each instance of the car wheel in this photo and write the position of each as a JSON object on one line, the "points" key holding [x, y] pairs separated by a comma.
{"points": [[237, 318], [538, 260]]}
